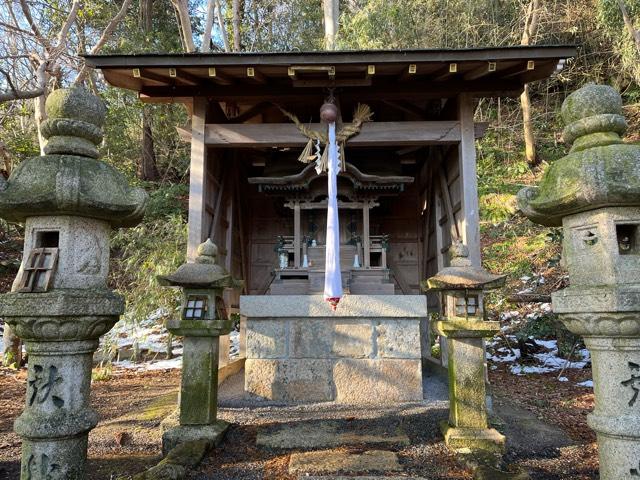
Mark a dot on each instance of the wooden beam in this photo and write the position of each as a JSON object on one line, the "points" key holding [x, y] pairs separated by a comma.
{"points": [[218, 77], [470, 221], [187, 77], [252, 112], [155, 77], [322, 204], [372, 134], [197, 178], [417, 90], [255, 75], [329, 83], [481, 71]]}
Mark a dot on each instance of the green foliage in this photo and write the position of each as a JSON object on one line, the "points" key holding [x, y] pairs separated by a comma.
{"points": [[101, 374], [497, 207], [155, 247], [538, 326], [123, 131]]}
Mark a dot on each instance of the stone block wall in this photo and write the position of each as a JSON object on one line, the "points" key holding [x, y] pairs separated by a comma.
{"points": [[367, 351]]}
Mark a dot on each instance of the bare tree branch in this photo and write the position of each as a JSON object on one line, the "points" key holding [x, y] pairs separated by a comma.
{"points": [[63, 35], [16, 94], [36, 31], [108, 31]]}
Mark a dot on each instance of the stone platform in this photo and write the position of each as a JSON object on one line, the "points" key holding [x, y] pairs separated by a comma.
{"points": [[367, 351]]}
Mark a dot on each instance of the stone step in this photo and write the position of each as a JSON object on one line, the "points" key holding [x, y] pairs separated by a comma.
{"points": [[330, 461], [371, 288], [289, 288], [330, 433], [342, 477]]}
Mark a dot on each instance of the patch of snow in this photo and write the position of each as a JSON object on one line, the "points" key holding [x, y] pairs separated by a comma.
{"points": [[548, 344], [234, 344], [509, 315], [545, 307], [563, 379], [526, 290], [147, 366], [587, 384]]}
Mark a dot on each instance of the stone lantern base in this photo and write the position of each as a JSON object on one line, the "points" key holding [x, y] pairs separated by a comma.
{"points": [[462, 438], [174, 434]]}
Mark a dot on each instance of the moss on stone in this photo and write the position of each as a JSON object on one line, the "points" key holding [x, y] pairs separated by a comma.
{"points": [[175, 465]]}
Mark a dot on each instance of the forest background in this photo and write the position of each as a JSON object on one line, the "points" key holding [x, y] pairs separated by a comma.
{"points": [[41, 43]]}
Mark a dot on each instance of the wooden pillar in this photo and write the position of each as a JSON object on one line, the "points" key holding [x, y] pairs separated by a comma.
{"points": [[296, 234], [197, 178], [228, 244], [470, 218], [366, 244]]}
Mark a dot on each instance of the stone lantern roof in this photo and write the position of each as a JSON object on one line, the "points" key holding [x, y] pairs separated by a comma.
{"points": [[69, 179], [462, 275], [204, 273], [599, 171]]}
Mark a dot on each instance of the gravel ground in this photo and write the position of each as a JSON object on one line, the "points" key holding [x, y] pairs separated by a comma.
{"points": [[127, 439]]}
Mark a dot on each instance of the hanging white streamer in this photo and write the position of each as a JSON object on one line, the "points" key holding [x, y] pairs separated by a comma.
{"points": [[332, 276]]}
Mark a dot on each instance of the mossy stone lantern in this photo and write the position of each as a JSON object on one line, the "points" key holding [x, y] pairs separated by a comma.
{"points": [[594, 194], [60, 304], [463, 322], [203, 320]]}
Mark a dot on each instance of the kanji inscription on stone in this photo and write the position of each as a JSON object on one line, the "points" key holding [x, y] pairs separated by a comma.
{"points": [[42, 383], [41, 467]]}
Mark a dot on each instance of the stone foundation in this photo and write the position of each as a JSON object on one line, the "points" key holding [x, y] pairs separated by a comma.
{"points": [[367, 351]]}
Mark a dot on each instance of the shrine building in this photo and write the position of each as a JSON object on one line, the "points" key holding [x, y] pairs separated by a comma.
{"points": [[408, 182]]}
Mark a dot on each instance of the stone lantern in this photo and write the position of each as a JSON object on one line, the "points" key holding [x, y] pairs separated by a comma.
{"points": [[202, 321], [60, 304], [461, 287], [594, 194]]}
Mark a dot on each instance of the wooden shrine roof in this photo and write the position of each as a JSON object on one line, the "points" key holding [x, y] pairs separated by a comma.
{"points": [[391, 74]]}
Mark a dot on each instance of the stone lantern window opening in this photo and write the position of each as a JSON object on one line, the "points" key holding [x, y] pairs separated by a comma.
{"points": [[196, 307], [48, 239], [39, 270], [627, 236], [461, 304]]}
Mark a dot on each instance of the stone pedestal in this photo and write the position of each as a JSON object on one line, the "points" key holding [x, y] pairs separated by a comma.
{"points": [[199, 388], [367, 351], [468, 426]]}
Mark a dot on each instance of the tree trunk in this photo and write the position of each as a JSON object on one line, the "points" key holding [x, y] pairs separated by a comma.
{"points": [[331, 16], [530, 29], [635, 34], [184, 22], [147, 170], [236, 25], [11, 348]]}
